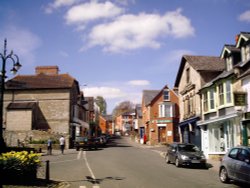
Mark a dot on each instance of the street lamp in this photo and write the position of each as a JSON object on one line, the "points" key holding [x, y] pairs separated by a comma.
{"points": [[16, 65]]}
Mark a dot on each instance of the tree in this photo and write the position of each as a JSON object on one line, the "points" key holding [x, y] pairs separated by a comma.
{"points": [[125, 106], [101, 103]]}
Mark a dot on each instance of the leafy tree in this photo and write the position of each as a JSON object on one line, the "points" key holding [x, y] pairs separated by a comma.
{"points": [[101, 103]]}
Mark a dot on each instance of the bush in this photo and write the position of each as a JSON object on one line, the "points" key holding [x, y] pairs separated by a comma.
{"points": [[19, 165]]}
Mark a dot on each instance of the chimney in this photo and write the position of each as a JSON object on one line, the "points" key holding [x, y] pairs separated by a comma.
{"points": [[48, 70], [237, 38]]}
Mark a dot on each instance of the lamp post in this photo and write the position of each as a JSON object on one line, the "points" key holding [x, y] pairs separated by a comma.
{"points": [[16, 65]]}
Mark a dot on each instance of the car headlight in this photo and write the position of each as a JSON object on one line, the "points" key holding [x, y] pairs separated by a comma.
{"points": [[184, 157]]}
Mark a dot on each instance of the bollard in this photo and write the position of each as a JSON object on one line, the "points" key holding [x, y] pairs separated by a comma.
{"points": [[47, 171]]}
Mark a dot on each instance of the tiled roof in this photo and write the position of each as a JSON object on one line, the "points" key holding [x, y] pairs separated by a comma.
{"points": [[148, 95], [41, 81], [206, 63], [21, 105], [200, 63]]}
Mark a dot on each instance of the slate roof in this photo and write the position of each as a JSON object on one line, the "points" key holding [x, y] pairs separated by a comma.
{"points": [[149, 95], [200, 63], [224, 74], [40, 81]]}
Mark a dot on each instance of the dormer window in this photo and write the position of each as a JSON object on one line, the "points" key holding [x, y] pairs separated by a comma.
{"points": [[245, 53], [166, 96], [229, 61]]}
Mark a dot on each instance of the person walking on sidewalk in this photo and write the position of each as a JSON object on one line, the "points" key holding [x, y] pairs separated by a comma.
{"points": [[62, 144], [49, 147]]}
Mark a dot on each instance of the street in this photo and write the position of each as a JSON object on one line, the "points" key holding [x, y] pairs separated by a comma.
{"points": [[125, 164]]}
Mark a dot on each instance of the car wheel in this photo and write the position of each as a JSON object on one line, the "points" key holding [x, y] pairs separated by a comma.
{"points": [[177, 163], [77, 149], [167, 159], [223, 175]]}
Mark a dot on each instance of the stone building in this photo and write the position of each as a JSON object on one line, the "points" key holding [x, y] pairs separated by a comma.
{"points": [[194, 72], [43, 105]]}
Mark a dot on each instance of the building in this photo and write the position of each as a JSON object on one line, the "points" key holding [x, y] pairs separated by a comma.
{"points": [[224, 120], [147, 96], [106, 124], [164, 117], [194, 72], [137, 123], [43, 105], [124, 122]]}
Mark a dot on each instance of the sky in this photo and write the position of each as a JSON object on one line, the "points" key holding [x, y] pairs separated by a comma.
{"points": [[118, 48]]}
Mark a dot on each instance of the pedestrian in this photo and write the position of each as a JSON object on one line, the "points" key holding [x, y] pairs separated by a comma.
{"points": [[62, 144], [49, 147]]}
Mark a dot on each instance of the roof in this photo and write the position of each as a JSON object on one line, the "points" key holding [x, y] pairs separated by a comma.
{"points": [[107, 117], [243, 36], [21, 105], [229, 49], [200, 63], [41, 81], [148, 95], [223, 75]]}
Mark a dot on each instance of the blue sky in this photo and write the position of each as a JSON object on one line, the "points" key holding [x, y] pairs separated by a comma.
{"points": [[118, 48]]}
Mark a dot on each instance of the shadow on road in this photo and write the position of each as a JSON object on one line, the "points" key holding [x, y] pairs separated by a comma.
{"points": [[99, 180]]}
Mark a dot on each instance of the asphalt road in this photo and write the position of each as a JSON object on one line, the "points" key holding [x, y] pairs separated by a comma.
{"points": [[124, 164]]}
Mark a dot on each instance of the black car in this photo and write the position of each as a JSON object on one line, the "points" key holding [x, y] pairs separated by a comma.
{"points": [[85, 143], [185, 154], [235, 165]]}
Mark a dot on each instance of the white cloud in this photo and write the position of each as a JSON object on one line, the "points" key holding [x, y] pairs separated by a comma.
{"points": [[22, 41], [139, 83], [245, 16], [82, 13], [105, 92], [129, 32], [57, 4]]}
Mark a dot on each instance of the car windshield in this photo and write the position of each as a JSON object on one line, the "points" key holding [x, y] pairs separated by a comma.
{"points": [[189, 148]]}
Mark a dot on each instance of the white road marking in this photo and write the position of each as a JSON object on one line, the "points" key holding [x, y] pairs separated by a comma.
{"points": [[87, 164], [79, 155], [82, 187]]}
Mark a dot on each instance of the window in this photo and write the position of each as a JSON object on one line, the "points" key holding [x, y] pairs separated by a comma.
{"points": [[211, 98], [228, 92], [221, 94], [233, 153], [229, 62], [188, 75], [166, 95], [205, 102], [166, 110], [245, 53]]}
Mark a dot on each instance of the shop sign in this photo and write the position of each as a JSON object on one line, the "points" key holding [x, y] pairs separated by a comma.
{"points": [[164, 121], [239, 99]]}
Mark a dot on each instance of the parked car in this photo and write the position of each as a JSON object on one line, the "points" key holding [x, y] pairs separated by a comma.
{"points": [[235, 165], [185, 154], [85, 143]]}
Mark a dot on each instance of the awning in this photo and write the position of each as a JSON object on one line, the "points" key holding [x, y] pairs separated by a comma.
{"points": [[189, 121], [222, 118]]}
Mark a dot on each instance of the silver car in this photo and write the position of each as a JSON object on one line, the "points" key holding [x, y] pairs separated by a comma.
{"points": [[235, 165]]}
